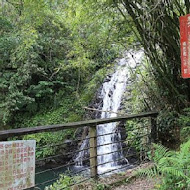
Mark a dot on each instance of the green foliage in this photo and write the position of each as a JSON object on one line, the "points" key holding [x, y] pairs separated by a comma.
{"points": [[62, 183], [137, 134], [159, 152], [151, 98], [101, 186], [173, 167], [184, 122], [46, 142], [47, 48], [168, 128], [91, 87], [160, 41], [69, 109]]}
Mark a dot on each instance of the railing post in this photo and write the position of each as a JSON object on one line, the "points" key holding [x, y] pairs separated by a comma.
{"points": [[93, 152], [154, 130]]}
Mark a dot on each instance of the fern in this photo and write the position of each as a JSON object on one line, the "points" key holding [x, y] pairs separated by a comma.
{"points": [[159, 152], [151, 172], [174, 167], [185, 148], [173, 171]]}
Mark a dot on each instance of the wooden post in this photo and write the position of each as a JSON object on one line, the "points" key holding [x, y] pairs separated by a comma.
{"points": [[93, 152], [154, 130]]}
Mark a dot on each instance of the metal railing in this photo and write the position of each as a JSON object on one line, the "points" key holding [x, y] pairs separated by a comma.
{"points": [[137, 145]]}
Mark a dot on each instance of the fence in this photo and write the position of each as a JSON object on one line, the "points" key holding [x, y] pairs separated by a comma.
{"points": [[134, 147]]}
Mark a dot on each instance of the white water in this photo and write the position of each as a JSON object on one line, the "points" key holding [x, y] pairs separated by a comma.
{"points": [[111, 94], [82, 153]]}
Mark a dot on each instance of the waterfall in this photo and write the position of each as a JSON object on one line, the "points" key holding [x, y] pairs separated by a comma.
{"points": [[82, 153], [111, 96]]}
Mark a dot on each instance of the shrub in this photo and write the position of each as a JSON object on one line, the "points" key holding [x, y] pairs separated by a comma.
{"points": [[62, 183], [173, 167], [184, 122]]}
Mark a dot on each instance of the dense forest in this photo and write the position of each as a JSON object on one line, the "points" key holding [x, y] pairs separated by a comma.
{"points": [[49, 51], [56, 54]]}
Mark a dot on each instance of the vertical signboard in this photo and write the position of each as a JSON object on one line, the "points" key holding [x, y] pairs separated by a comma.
{"points": [[17, 164], [185, 45]]}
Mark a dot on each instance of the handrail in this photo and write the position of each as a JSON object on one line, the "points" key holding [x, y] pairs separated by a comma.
{"points": [[4, 134]]}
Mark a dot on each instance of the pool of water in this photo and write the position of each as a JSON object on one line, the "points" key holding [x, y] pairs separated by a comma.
{"points": [[50, 176]]}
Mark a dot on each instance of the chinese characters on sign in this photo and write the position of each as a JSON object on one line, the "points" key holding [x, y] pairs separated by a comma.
{"points": [[17, 164], [185, 45]]}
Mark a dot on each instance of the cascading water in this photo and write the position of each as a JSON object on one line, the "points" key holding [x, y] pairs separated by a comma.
{"points": [[82, 153], [111, 96]]}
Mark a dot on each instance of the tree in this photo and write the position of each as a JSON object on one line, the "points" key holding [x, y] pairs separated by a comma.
{"points": [[48, 47]]}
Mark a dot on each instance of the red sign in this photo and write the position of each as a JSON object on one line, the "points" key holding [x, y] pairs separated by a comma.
{"points": [[185, 45]]}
